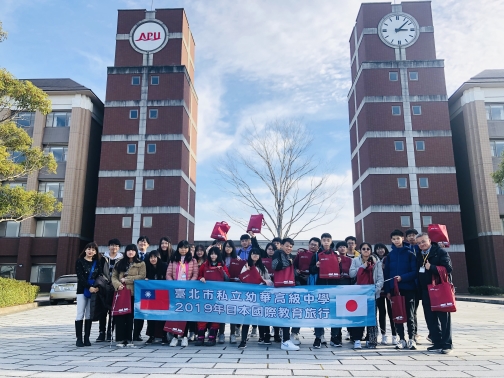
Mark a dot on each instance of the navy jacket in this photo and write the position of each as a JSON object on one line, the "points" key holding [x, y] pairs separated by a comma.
{"points": [[400, 262]]}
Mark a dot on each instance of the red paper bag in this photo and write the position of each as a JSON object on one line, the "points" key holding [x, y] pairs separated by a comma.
{"points": [[220, 231], [251, 276], [255, 223], [284, 277], [438, 233], [329, 266], [345, 264], [122, 302], [267, 264], [442, 296], [235, 267], [398, 306], [214, 274], [365, 276], [177, 328], [304, 259]]}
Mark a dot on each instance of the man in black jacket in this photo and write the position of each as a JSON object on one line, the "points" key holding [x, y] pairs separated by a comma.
{"points": [[439, 323]]}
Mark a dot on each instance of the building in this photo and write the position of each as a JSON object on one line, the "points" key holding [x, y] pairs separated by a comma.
{"points": [[477, 123], [40, 249], [401, 143], [147, 178]]}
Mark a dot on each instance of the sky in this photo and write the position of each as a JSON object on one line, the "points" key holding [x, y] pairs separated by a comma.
{"points": [[256, 61]]}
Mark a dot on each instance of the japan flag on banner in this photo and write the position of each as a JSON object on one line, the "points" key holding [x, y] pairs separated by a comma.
{"points": [[351, 305]]}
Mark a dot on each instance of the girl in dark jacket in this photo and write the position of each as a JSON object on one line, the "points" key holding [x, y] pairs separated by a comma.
{"points": [[87, 267], [165, 249]]}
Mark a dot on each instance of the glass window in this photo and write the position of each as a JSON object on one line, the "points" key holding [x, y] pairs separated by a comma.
{"points": [[147, 222], [423, 182], [500, 189], [42, 273], [396, 110], [129, 184], [399, 145], [420, 145], [16, 184], [426, 220], [59, 153], [47, 228], [8, 271], [413, 75], [497, 147], [131, 149], [151, 148], [25, 119], [149, 184], [495, 112], [126, 222], [17, 156], [402, 182], [135, 80], [133, 114], [417, 110], [9, 229], [154, 80], [55, 187], [393, 76], [405, 221], [153, 113], [59, 119]]}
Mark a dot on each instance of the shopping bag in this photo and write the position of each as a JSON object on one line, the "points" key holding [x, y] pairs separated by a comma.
{"points": [[442, 295], [398, 303], [304, 259], [284, 277], [235, 267], [345, 264], [329, 266], [255, 223], [213, 274], [177, 328], [220, 231], [365, 276], [438, 233], [122, 302], [251, 276]]}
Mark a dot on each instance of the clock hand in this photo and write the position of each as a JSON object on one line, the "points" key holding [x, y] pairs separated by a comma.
{"points": [[400, 28]]}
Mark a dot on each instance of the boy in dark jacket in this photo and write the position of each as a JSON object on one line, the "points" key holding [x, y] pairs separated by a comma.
{"points": [[401, 265]]}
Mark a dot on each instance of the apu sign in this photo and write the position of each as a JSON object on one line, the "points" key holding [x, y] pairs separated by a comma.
{"points": [[149, 36]]}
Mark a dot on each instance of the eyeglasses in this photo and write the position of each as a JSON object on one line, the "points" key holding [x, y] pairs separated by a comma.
{"points": [[365, 249]]}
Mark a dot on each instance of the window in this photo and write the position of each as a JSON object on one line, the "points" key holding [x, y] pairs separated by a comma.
{"points": [[16, 184], [151, 148], [426, 220], [56, 188], [47, 228], [135, 80], [131, 149], [413, 75], [154, 80], [129, 184], [59, 153], [402, 182], [59, 119], [8, 271], [417, 110], [497, 147], [495, 112], [399, 145], [42, 273], [149, 184], [393, 76], [500, 189], [133, 114], [9, 229], [405, 221], [420, 145], [17, 156], [126, 222], [423, 182], [153, 113], [25, 119], [147, 222], [396, 110], [502, 224]]}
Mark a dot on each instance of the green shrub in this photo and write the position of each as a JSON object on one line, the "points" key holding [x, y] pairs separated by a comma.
{"points": [[486, 290], [14, 292]]}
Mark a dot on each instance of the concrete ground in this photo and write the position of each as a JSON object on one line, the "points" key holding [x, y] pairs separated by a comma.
{"points": [[41, 343]]}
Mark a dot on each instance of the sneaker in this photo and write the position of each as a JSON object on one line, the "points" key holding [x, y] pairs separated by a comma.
{"points": [[164, 341], [370, 346], [357, 344], [411, 344], [267, 339], [260, 341], [122, 344], [138, 338], [277, 339], [336, 342], [222, 338], [101, 337], [185, 342], [199, 342], [323, 340], [150, 340], [174, 342], [232, 339], [434, 348], [295, 338], [384, 340], [191, 336], [130, 345], [401, 344], [254, 332], [288, 345], [316, 343], [210, 342], [394, 340], [242, 345], [347, 335], [446, 351]]}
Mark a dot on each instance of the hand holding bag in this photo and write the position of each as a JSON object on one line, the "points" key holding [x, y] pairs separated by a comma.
{"points": [[365, 275], [329, 266], [251, 276], [255, 223], [214, 274], [220, 231], [398, 303], [304, 259], [122, 302], [438, 233], [442, 295], [285, 277], [235, 267]]}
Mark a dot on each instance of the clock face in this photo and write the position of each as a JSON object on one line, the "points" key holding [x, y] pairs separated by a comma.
{"points": [[398, 30]]}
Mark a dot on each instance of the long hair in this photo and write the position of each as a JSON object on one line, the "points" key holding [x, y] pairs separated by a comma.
{"points": [[165, 255], [94, 246], [259, 264], [158, 270], [204, 257], [265, 256], [214, 251], [122, 265], [380, 245], [177, 257], [232, 245]]}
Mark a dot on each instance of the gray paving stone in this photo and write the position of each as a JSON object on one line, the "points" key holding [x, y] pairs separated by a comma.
{"points": [[140, 370], [45, 368], [443, 374], [56, 374], [320, 373], [16, 373], [206, 371], [96, 369], [381, 373]]}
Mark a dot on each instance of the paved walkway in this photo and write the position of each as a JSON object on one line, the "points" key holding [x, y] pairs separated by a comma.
{"points": [[40, 343]]}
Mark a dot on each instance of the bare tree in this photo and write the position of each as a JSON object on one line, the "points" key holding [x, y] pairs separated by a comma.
{"points": [[273, 173]]}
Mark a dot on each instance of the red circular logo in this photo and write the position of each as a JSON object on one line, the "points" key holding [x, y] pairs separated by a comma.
{"points": [[351, 305]]}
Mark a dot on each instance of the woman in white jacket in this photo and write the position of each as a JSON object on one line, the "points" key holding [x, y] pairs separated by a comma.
{"points": [[361, 269]]}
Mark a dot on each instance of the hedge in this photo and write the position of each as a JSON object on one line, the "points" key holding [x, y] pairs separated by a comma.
{"points": [[14, 292], [486, 290]]}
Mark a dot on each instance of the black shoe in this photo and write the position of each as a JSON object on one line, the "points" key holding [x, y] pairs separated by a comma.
{"points": [[87, 342], [267, 339], [101, 337], [199, 342], [242, 345], [317, 343], [210, 342], [79, 343], [150, 340], [277, 339], [164, 341], [137, 338], [434, 348], [336, 341]]}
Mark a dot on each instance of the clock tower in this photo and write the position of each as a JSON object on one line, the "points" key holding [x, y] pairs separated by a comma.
{"points": [[400, 138]]}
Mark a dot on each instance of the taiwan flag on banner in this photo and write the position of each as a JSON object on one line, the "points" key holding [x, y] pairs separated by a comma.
{"points": [[154, 300], [351, 305]]}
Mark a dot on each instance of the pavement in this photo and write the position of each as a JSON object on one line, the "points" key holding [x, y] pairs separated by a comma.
{"points": [[41, 343]]}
